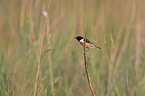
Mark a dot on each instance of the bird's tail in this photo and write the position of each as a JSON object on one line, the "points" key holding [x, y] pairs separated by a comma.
{"points": [[97, 47]]}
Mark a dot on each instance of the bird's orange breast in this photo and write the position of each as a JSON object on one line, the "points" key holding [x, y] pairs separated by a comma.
{"points": [[82, 43], [87, 44]]}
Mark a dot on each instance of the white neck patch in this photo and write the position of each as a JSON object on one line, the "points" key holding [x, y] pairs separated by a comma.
{"points": [[82, 40]]}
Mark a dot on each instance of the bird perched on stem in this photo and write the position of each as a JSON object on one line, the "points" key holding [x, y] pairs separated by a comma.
{"points": [[88, 43]]}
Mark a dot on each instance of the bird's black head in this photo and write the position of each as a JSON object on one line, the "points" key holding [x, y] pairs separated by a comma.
{"points": [[79, 38]]}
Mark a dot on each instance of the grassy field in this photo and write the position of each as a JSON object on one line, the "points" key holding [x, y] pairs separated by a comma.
{"points": [[117, 26]]}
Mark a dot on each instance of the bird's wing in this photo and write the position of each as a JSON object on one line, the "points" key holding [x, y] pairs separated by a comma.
{"points": [[88, 41]]}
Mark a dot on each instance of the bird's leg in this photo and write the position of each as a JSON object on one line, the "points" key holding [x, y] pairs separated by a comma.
{"points": [[87, 50]]}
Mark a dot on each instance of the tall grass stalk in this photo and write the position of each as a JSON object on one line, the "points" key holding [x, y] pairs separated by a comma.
{"points": [[38, 68], [86, 68]]}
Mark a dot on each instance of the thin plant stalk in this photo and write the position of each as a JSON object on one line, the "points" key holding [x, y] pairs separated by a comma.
{"points": [[40, 57], [86, 69]]}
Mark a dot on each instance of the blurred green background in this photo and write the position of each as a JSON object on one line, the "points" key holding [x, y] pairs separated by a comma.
{"points": [[117, 26]]}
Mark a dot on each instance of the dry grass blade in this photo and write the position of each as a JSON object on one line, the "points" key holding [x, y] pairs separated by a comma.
{"points": [[40, 57], [86, 68]]}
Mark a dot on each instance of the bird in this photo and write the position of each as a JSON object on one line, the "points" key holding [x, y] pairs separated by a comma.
{"points": [[88, 43]]}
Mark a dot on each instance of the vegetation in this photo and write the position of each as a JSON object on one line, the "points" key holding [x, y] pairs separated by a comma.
{"points": [[117, 26]]}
